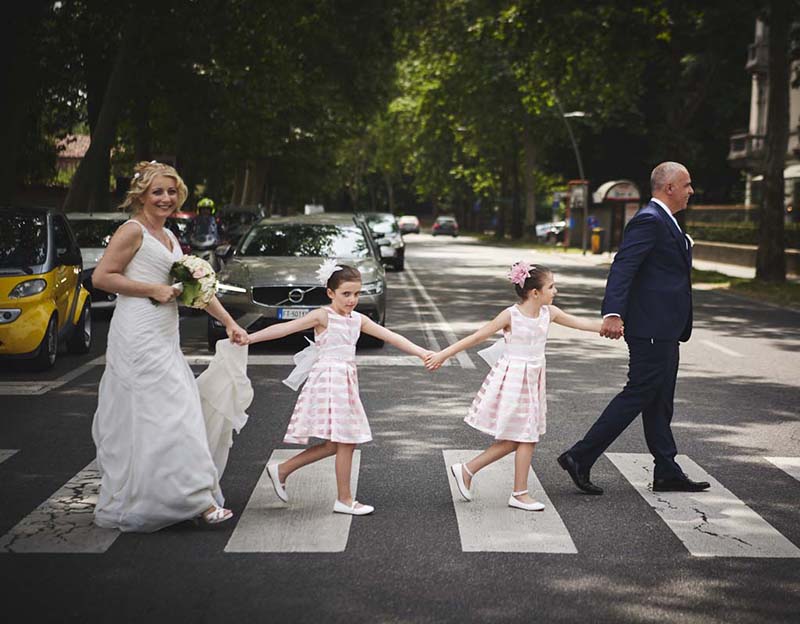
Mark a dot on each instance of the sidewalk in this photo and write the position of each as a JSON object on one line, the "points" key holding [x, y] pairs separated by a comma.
{"points": [[732, 270]]}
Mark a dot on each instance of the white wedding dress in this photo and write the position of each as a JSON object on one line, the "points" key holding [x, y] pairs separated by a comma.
{"points": [[152, 450]]}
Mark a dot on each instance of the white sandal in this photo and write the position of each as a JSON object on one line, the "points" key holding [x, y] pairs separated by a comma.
{"points": [[217, 515], [518, 504], [462, 486]]}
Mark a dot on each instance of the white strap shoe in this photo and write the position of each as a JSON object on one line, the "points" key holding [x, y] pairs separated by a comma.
{"points": [[280, 490], [459, 477], [356, 509], [517, 504]]}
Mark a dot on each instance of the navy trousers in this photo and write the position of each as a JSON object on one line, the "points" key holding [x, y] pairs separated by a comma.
{"points": [[652, 370]]}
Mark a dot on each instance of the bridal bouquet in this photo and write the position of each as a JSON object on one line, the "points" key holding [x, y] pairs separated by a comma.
{"points": [[197, 280]]}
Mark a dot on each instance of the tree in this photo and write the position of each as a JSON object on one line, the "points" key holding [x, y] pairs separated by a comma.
{"points": [[770, 258]]}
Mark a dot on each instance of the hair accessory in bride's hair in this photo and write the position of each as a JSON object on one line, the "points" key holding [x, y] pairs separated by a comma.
{"points": [[137, 175], [520, 271], [326, 269]]}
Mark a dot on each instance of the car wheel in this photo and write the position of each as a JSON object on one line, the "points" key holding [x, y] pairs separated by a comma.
{"points": [[81, 339], [214, 334], [48, 348], [400, 263], [455, 235]]}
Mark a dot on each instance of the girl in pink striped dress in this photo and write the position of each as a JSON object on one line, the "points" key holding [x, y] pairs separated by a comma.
{"points": [[329, 407], [511, 405]]}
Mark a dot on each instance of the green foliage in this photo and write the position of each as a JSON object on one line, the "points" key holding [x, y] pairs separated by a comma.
{"points": [[741, 233]]}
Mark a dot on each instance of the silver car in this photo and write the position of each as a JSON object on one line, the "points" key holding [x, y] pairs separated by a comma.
{"points": [[93, 231], [270, 277]]}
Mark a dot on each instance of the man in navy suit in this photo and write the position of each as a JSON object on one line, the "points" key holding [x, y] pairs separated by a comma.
{"points": [[649, 299]]}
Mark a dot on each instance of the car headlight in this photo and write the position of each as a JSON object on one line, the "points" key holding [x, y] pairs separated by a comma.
{"points": [[27, 288], [372, 288]]}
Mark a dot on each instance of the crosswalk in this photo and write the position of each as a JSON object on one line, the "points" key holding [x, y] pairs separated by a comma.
{"points": [[715, 523]]}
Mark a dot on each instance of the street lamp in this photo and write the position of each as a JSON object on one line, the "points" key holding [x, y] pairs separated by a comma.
{"points": [[585, 202]]}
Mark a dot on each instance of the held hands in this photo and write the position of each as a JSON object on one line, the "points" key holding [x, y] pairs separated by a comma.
{"points": [[237, 335], [612, 328], [434, 360]]}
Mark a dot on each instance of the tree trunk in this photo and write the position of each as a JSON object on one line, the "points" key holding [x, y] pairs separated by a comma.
{"points": [[529, 148], [92, 173], [770, 259], [19, 76], [143, 139], [387, 178], [516, 205]]}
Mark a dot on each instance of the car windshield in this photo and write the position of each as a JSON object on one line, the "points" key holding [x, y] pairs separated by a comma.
{"points": [[95, 232], [23, 242], [382, 225], [445, 220], [305, 240]]}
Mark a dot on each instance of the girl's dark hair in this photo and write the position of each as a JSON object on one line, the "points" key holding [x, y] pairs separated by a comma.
{"points": [[345, 274], [538, 275]]}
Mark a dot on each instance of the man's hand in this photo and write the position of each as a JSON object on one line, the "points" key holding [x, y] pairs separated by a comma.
{"points": [[612, 327]]}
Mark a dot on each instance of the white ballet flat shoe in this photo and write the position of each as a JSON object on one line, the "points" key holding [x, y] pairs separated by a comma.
{"points": [[363, 510], [517, 504], [280, 490], [459, 477]]}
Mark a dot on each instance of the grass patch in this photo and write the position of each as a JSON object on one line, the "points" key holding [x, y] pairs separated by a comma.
{"points": [[522, 243], [786, 294]]}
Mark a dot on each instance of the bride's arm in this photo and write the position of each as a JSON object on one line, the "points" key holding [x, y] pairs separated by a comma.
{"points": [[108, 275]]}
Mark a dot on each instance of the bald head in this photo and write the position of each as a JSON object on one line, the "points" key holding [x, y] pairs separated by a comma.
{"points": [[671, 184], [664, 174]]}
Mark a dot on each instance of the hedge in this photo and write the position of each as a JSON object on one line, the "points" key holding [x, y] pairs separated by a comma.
{"points": [[737, 232]]}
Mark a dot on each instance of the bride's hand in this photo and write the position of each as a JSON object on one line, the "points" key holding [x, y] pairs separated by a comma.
{"points": [[237, 335], [163, 293]]}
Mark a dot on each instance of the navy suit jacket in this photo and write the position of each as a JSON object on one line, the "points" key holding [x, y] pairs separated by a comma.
{"points": [[649, 284]]}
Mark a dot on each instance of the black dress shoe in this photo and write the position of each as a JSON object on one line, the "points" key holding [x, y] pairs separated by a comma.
{"points": [[679, 485], [579, 478]]}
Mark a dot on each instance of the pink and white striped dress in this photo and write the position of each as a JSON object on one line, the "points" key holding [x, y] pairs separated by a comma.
{"points": [[511, 404], [329, 407]]}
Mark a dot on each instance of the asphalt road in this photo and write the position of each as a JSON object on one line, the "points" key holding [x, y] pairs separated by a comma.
{"points": [[736, 405]]}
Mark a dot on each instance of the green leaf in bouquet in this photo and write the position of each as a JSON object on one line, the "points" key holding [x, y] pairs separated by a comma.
{"points": [[180, 272], [191, 290]]}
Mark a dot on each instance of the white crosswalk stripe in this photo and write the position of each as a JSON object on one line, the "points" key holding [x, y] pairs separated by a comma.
{"points": [[790, 465], [307, 523], [488, 524], [6, 453], [714, 523], [63, 523]]}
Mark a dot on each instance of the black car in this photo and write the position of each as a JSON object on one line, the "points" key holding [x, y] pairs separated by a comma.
{"points": [[445, 225]]}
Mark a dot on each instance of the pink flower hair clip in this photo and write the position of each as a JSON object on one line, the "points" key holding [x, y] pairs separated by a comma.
{"points": [[520, 271]]}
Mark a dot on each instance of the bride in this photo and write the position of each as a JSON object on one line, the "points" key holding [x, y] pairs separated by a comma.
{"points": [[152, 450]]}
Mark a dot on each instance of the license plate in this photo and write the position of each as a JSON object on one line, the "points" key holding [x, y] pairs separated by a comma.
{"points": [[292, 313]]}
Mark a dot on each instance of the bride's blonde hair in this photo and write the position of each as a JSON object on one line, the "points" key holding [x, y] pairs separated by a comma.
{"points": [[144, 173]]}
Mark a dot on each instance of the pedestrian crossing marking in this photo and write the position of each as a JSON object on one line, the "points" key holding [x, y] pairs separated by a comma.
{"points": [[64, 522], [790, 465], [488, 524], [6, 453], [307, 523], [714, 523]]}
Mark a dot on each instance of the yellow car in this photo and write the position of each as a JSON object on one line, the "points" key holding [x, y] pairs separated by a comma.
{"points": [[42, 301]]}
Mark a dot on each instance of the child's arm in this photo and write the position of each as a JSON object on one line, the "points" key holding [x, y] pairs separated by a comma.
{"points": [[568, 320], [501, 321], [312, 320], [368, 326]]}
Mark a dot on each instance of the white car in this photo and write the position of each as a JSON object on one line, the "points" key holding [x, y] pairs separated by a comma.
{"points": [[93, 231]]}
